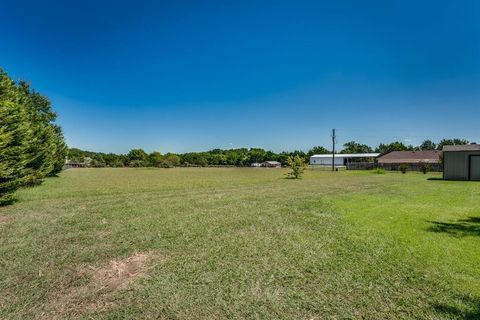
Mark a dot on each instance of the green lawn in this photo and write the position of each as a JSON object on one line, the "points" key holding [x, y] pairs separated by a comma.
{"points": [[241, 243]]}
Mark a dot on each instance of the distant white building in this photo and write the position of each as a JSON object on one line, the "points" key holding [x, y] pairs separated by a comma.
{"points": [[341, 159], [271, 164]]}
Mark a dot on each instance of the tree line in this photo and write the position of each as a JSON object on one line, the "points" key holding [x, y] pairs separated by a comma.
{"points": [[384, 148], [217, 157], [234, 157], [32, 146]]}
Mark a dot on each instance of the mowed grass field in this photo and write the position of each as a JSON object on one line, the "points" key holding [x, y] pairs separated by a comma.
{"points": [[231, 243]]}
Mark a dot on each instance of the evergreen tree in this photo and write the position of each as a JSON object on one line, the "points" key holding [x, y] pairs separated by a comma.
{"points": [[13, 138], [60, 152], [31, 144], [43, 143]]}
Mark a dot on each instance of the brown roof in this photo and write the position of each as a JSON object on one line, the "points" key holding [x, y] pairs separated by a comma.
{"points": [[273, 162], [466, 147], [430, 156]]}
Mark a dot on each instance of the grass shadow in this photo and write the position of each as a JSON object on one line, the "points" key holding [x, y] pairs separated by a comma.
{"points": [[470, 310], [459, 228], [446, 180], [435, 179]]}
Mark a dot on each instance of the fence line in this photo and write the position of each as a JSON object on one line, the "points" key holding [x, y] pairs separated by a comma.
{"points": [[434, 167]]}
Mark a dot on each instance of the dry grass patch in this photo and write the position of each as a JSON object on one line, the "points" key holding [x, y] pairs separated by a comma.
{"points": [[3, 218], [97, 295], [119, 273]]}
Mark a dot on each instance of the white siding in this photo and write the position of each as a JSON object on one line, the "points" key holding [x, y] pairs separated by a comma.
{"points": [[326, 161]]}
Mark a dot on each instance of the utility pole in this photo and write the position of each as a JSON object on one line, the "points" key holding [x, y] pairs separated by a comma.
{"points": [[333, 149]]}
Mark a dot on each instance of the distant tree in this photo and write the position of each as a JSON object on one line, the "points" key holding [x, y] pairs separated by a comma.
{"points": [[354, 147], [201, 160], [233, 158], [137, 164], [317, 150], [155, 159], [137, 158], [299, 153], [271, 156], [117, 163], [427, 145], [165, 164], [172, 159], [97, 163], [394, 146], [218, 159], [257, 155], [450, 142], [243, 157], [75, 154], [297, 165], [113, 160], [194, 158], [281, 157]]}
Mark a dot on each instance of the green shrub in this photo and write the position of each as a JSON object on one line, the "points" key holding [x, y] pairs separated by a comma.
{"points": [[378, 171], [424, 167], [403, 168], [137, 164], [116, 164], [165, 164], [97, 163], [297, 165]]}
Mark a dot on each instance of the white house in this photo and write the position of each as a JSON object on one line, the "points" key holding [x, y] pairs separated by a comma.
{"points": [[271, 164], [340, 159]]}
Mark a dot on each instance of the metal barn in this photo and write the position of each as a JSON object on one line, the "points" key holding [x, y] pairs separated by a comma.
{"points": [[461, 162]]}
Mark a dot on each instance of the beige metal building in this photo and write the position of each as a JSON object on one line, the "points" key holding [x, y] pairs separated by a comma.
{"points": [[461, 162]]}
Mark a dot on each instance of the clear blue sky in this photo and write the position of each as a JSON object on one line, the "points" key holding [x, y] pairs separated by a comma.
{"points": [[194, 75]]}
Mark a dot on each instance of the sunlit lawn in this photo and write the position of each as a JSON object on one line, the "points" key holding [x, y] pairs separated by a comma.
{"points": [[242, 243]]}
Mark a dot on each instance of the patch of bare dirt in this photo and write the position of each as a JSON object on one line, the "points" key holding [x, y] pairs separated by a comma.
{"points": [[3, 218], [97, 294], [119, 273]]}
